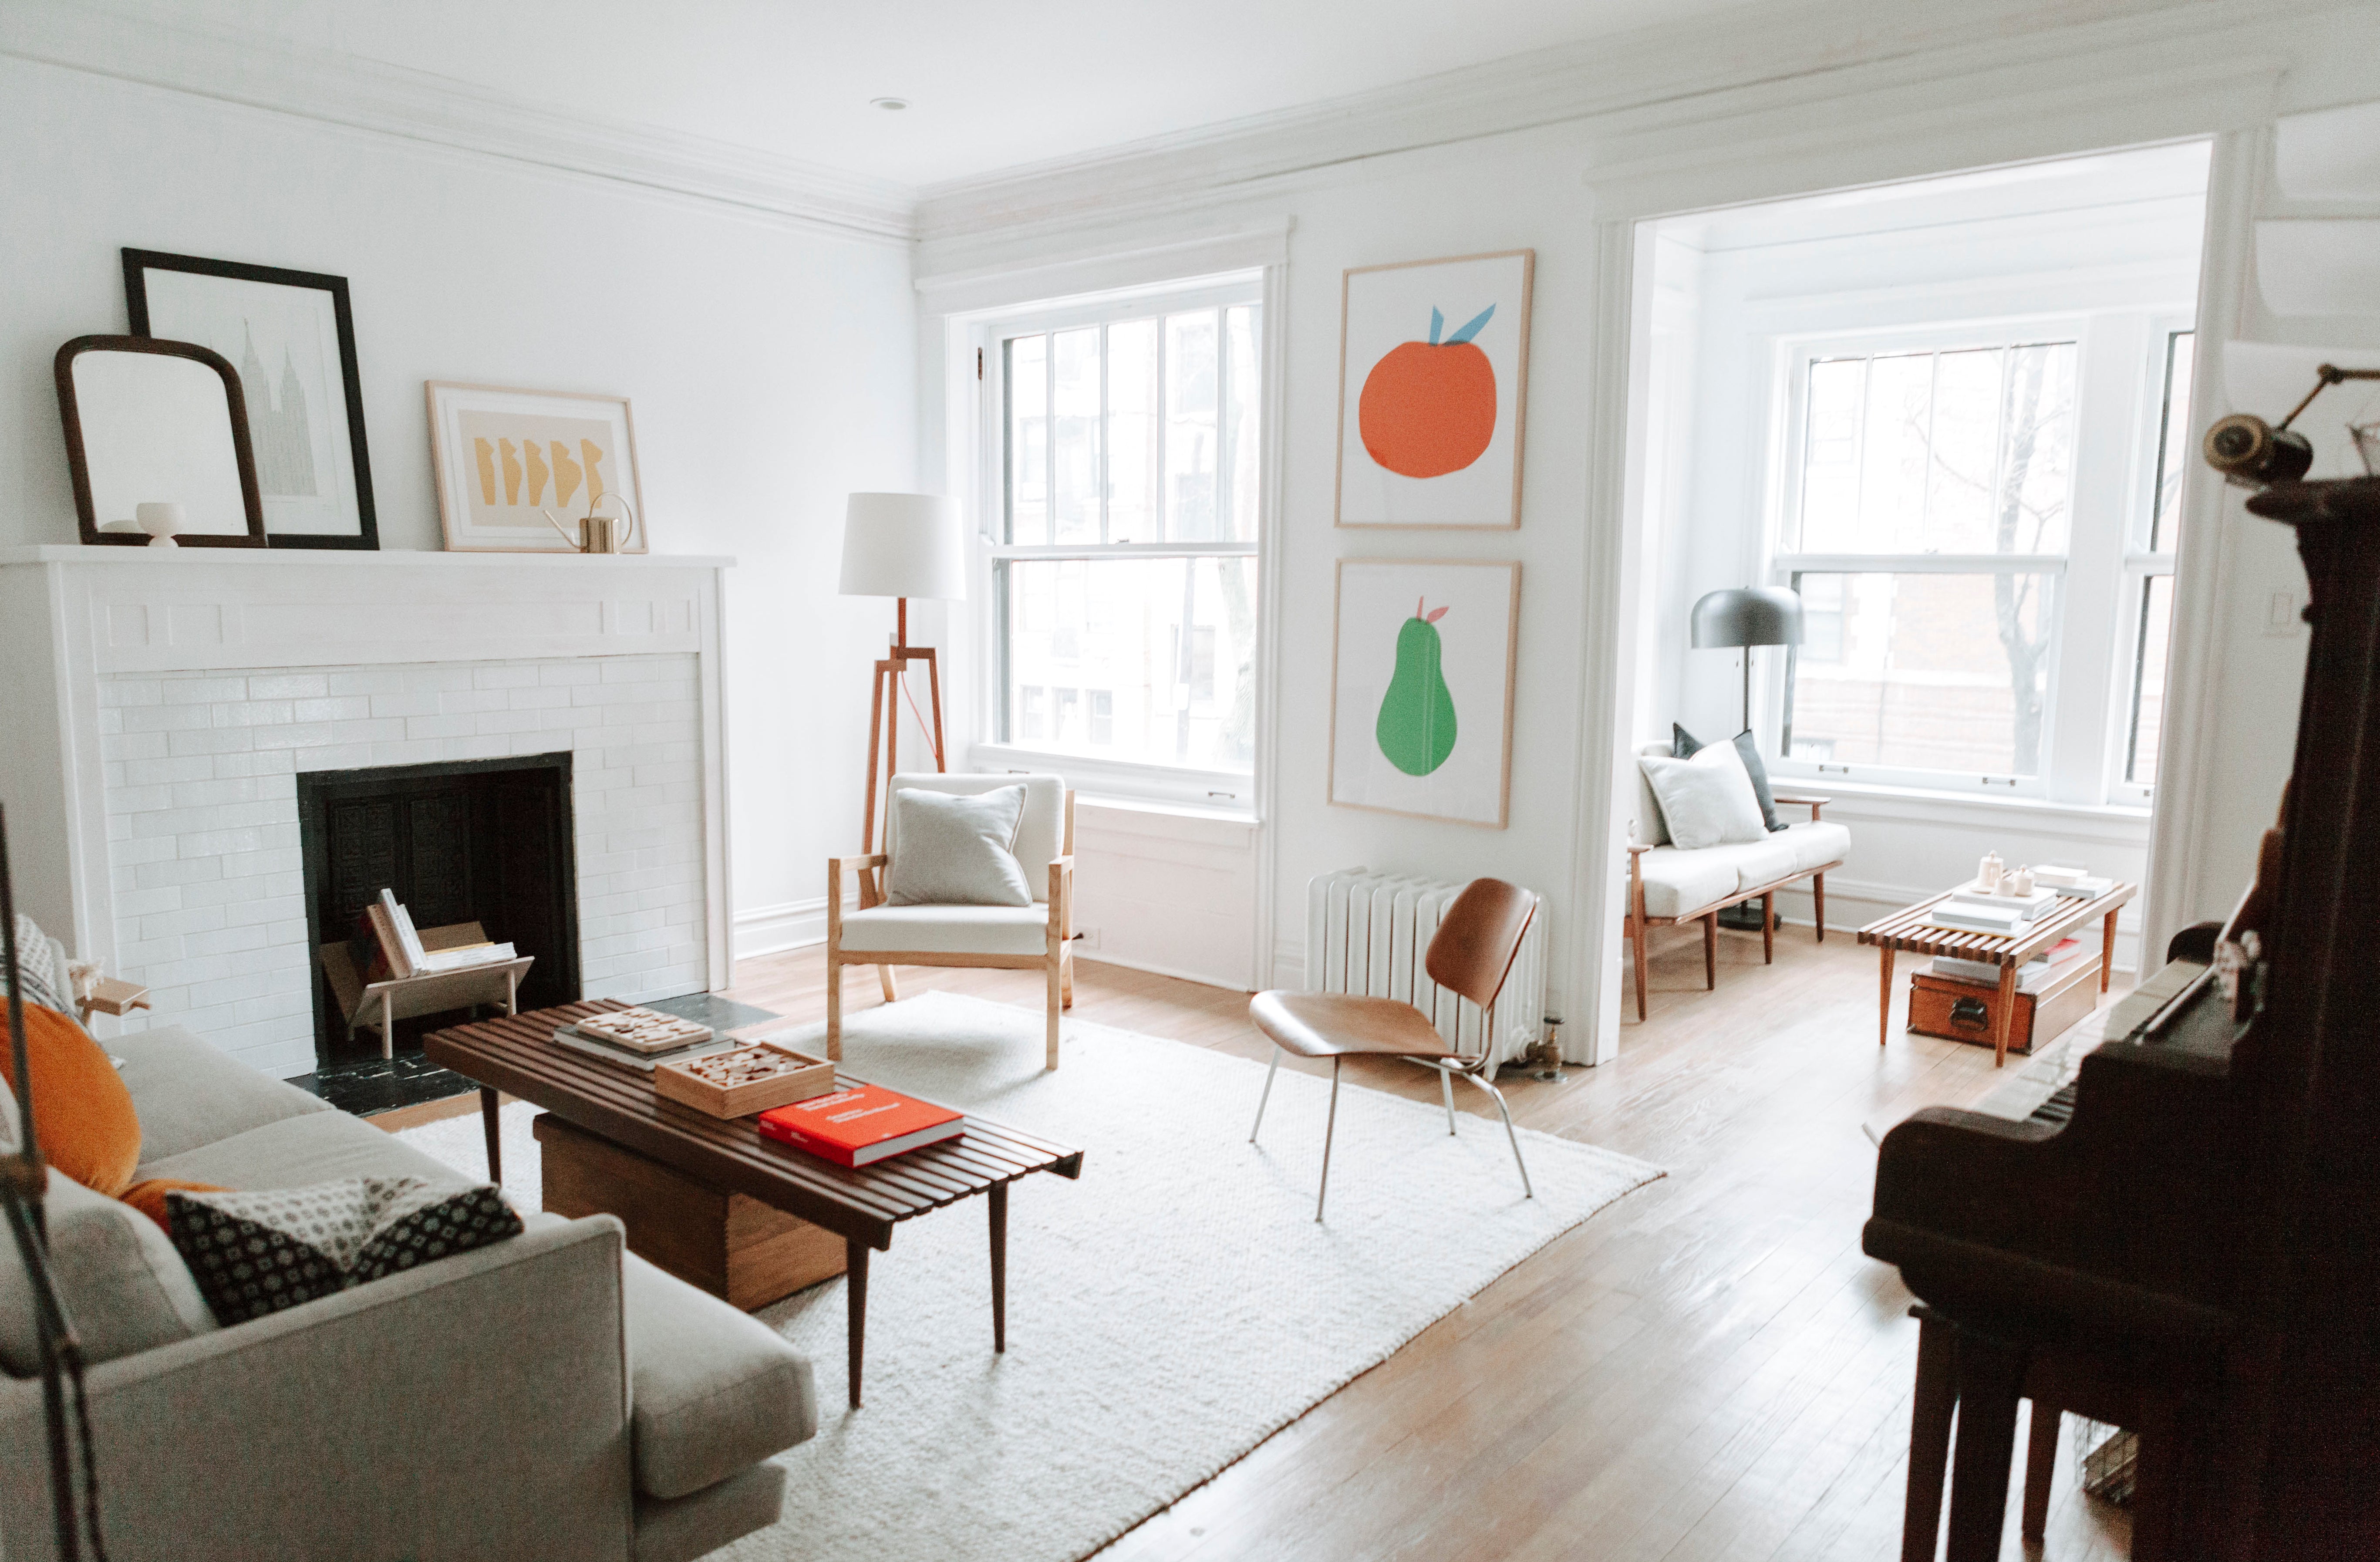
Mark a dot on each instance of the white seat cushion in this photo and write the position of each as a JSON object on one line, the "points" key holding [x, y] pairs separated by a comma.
{"points": [[1816, 844], [1679, 882], [950, 930]]}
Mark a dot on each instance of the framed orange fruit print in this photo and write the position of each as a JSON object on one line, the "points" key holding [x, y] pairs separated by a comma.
{"points": [[1433, 387]]}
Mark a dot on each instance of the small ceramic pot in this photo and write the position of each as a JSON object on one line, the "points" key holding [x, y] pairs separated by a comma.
{"points": [[161, 522]]}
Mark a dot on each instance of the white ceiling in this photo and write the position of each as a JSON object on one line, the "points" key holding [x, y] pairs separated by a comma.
{"points": [[993, 85]]}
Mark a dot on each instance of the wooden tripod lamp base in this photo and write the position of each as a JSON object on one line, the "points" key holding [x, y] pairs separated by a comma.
{"points": [[884, 717]]}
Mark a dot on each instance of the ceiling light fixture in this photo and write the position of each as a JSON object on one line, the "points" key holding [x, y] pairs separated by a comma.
{"points": [[890, 104]]}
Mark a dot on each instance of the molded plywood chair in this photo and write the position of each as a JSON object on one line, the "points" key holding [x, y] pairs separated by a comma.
{"points": [[1005, 937], [1471, 954]]}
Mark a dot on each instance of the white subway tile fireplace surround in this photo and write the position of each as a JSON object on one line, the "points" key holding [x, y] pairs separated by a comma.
{"points": [[162, 707]]}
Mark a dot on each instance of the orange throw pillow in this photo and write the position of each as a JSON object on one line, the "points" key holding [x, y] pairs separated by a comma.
{"points": [[81, 1111]]}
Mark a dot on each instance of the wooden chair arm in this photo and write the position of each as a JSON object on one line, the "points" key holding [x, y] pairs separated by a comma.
{"points": [[1062, 896], [1813, 804], [1634, 849]]}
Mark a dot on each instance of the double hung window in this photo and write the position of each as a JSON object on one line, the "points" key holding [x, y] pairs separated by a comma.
{"points": [[1123, 498], [1930, 524]]}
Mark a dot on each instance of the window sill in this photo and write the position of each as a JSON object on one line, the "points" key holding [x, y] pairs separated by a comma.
{"points": [[1868, 799], [1219, 793]]}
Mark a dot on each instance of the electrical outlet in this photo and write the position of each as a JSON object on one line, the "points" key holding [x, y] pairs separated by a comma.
{"points": [[2281, 615]]}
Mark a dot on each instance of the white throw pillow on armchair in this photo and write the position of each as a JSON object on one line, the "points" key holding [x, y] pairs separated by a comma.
{"points": [[1706, 800], [957, 850]]}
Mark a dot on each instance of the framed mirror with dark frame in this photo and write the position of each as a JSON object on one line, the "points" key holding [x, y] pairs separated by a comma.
{"points": [[292, 336], [157, 423]]}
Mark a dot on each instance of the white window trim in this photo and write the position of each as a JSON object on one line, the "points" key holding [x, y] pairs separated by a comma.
{"points": [[1230, 791], [2138, 403]]}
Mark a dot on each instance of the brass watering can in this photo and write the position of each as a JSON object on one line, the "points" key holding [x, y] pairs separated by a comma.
{"points": [[598, 534]]}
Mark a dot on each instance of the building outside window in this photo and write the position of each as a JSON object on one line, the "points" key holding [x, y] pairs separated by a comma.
{"points": [[1124, 497]]}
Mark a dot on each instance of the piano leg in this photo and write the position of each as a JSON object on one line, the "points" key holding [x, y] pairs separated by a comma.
{"points": [[1929, 1434], [2040, 1465], [1991, 1380]]}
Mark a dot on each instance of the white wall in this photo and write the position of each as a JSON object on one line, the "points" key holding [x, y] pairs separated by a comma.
{"points": [[1567, 189], [771, 368]]}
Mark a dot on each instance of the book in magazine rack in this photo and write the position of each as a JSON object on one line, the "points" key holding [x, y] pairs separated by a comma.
{"points": [[405, 997]]}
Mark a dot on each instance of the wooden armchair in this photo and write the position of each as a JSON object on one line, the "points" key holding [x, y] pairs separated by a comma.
{"points": [[1001, 937]]}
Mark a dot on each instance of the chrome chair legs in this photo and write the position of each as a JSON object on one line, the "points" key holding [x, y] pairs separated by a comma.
{"points": [[1446, 1073], [1329, 1132], [1267, 1096]]}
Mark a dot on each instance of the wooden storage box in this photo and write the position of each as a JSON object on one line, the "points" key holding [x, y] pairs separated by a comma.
{"points": [[1967, 1011], [792, 1076]]}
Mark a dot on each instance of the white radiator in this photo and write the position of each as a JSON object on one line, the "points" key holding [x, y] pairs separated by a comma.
{"points": [[1366, 933]]}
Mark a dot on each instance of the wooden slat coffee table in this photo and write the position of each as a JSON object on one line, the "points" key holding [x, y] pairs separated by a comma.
{"points": [[516, 1055], [1908, 930]]}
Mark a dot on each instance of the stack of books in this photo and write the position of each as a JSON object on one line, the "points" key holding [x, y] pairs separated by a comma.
{"points": [[2071, 884], [1970, 909], [641, 1038], [386, 946], [2032, 977]]}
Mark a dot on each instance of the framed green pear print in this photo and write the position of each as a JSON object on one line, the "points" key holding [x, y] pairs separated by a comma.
{"points": [[1421, 688]]}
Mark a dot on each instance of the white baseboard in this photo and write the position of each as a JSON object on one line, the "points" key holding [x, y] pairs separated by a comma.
{"points": [[1204, 978], [769, 930]]}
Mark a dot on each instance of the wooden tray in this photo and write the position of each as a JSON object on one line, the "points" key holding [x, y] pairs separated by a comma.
{"points": [[794, 1076]]}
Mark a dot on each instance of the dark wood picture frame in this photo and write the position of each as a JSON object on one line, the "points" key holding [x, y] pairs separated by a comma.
{"points": [[78, 464], [135, 298]]}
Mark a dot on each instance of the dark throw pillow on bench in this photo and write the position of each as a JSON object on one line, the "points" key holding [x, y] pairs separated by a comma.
{"points": [[257, 1253], [1684, 745]]}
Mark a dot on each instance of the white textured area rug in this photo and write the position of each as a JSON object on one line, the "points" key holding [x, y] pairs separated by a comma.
{"points": [[1166, 1313]]}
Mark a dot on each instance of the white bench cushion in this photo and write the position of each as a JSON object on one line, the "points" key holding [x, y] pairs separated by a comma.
{"points": [[950, 930], [1678, 883]]}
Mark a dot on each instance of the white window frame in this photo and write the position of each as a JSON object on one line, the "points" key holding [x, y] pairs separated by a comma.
{"points": [[2141, 561], [2125, 413], [1230, 790]]}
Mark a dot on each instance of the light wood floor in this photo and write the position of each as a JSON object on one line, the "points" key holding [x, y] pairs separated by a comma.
{"points": [[1708, 1369]]}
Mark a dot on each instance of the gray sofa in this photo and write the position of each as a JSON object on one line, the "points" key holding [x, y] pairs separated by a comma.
{"points": [[552, 1395]]}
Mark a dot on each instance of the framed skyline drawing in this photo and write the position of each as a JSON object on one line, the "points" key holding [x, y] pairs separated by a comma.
{"points": [[292, 337], [1433, 389], [1421, 688], [505, 457]]}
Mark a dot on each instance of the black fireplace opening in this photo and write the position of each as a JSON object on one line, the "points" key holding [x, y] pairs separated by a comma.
{"points": [[485, 841]]}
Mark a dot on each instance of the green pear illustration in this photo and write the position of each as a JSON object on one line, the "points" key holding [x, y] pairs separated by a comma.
{"points": [[1416, 725]]}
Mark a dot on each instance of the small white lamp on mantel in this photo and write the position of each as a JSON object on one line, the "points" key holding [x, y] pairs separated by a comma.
{"points": [[901, 546]]}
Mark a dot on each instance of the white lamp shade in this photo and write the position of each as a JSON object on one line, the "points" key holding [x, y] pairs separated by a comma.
{"points": [[903, 544]]}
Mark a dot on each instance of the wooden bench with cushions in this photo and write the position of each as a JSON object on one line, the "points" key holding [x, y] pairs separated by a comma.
{"points": [[1667, 886]]}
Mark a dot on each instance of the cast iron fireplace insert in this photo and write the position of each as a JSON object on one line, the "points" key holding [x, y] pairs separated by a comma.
{"points": [[469, 840]]}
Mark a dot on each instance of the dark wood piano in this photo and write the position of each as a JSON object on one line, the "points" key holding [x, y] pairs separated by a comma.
{"points": [[2202, 1231]]}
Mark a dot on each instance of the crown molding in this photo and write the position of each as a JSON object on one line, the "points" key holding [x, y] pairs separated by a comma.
{"points": [[1670, 74], [256, 71]]}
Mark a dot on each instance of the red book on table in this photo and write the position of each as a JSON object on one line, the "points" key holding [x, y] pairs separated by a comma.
{"points": [[862, 1125]]}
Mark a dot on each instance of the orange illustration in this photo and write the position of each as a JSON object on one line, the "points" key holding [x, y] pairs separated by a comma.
{"points": [[1430, 408]]}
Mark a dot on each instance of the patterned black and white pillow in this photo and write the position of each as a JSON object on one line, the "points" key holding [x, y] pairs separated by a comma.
{"points": [[256, 1253], [423, 1221]]}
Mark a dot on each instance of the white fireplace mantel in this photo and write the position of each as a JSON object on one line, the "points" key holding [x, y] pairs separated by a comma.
{"points": [[90, 630]]}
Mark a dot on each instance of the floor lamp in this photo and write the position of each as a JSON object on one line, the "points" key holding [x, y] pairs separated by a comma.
{"points": [[1747, 617], [1744, 617], [900, 545]]}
